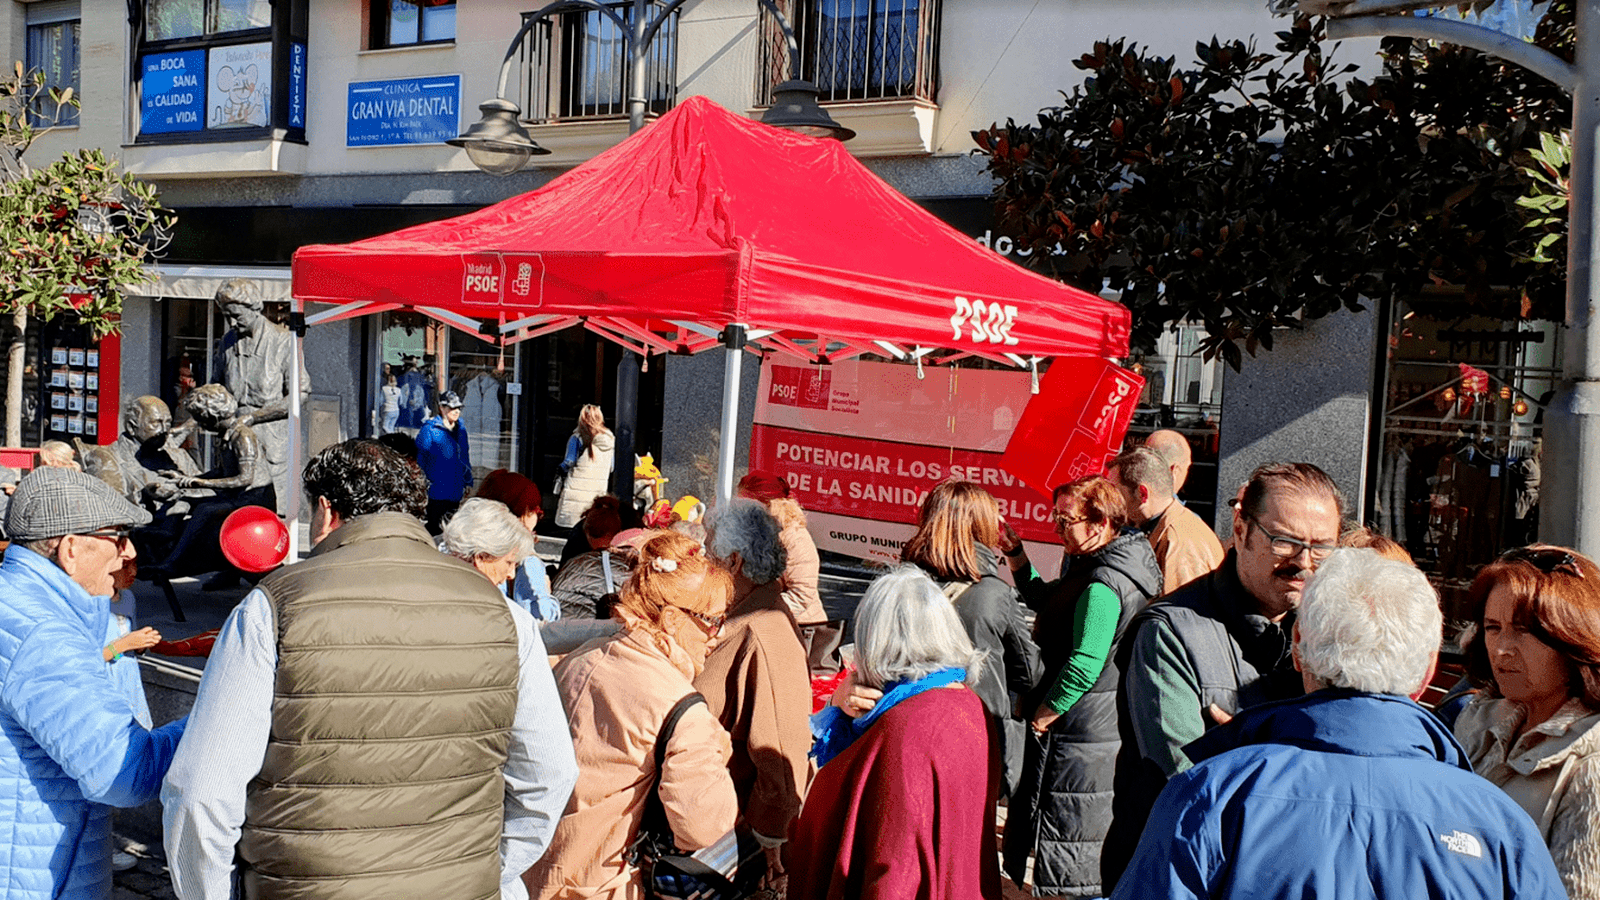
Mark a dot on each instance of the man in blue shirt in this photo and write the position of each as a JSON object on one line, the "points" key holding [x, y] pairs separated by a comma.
{"points": [[446, 458]]}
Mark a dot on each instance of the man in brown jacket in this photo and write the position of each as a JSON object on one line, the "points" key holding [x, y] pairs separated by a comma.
{"points": [[1185, 547], [756, 681]]}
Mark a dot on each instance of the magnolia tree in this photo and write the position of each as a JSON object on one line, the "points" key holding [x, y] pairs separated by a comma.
{"points": [[75, 233], [1256, 190]]}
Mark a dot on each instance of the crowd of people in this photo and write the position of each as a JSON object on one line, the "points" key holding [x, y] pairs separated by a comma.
{"points": [[1164, 716]]}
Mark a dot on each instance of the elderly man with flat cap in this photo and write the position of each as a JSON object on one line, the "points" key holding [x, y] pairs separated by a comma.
{"points": [[73, 748]]}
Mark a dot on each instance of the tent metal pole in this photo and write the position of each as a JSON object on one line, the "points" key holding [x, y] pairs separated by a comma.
{"points": [[297, 323], [733, 364]]}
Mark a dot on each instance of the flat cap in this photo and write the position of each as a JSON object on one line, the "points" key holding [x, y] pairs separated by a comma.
{"points": [[50, 502]]}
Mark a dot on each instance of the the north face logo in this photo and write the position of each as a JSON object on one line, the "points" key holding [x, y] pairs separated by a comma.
{"points": [[1462, 843]]}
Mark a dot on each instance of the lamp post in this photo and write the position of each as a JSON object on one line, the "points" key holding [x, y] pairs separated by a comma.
{"points": [[499, 145], [1570, 493]]}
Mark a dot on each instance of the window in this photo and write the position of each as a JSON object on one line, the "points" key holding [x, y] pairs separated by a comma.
{"points": [[53, 50], [402, 23], [856, 49], [167, 20], [576, 65], [214, 70]]}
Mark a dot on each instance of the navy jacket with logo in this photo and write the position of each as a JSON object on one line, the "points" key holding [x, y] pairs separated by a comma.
{"points": [[1336, 795]]}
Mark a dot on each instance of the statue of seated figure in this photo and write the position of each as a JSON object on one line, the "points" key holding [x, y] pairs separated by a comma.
{"points": [[240, 478], [132, 465]]}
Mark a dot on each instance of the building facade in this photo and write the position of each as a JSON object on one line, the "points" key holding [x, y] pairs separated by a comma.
{"points": [[272, 124]]}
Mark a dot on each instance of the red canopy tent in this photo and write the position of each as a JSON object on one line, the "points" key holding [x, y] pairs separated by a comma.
{"points": [[705, 220]]}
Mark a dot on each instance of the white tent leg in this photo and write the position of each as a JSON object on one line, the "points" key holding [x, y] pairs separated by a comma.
{"points": [[296, 308], [733, 363]]}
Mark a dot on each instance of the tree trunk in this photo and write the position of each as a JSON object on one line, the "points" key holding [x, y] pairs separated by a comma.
{"points": [[16, 356]]}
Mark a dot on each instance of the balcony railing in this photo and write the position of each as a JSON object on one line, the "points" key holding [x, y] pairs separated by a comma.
{"points": [[575, 66], [855, 49]]}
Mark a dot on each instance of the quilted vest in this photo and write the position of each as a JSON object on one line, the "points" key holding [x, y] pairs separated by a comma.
{"points": [[396, 688]]}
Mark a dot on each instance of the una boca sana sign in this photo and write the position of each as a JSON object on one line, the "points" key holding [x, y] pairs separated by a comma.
{"points": [[172, 92]]}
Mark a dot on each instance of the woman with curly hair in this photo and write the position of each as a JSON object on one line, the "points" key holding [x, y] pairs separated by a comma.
{"points": [[1535, 655], [618, 691]]}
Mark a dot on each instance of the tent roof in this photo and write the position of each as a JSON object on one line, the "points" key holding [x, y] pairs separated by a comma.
{"points": [[706, 218]]}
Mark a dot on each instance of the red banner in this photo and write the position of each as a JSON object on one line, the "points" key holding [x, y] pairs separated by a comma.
{"points": [[1067, 432]]}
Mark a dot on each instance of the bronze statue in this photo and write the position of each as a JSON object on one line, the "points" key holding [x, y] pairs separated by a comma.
{"points": [[132, 465], [240, 478], [253, 360]]}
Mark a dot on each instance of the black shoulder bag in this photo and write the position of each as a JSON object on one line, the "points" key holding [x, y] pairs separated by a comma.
{"points": [[729, 869]]}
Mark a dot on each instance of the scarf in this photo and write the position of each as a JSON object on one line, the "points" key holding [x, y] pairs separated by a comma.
{"points": [[833, 732]]}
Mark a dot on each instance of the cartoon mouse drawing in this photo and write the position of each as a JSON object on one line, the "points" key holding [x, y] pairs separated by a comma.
{"points": [[244, 104]]}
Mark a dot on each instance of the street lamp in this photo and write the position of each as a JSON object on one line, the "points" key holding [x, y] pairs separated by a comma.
{"points": [[499, 145]]}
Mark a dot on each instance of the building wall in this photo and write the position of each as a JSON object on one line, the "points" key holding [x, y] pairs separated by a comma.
{"points": [[999, 59]]}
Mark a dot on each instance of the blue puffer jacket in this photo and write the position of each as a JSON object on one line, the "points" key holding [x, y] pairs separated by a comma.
{"points": [[1334, 795], [445, 457], [72, 748]]}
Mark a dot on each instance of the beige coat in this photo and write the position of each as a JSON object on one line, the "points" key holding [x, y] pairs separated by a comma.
{"points": [[1185, 546], [800, 576], [1553, 772], [617, 690], [589, 478], [757, 683]]}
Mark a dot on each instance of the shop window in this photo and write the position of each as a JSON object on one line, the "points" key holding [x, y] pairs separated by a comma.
{"points": [[53, 50], [403, 23], [856, 49], [577, 66], [1183, 392], [1457, 467], [215, 70]]}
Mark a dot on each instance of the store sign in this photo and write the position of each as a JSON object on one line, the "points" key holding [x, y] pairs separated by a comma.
{"points": [[297, 85], [403, 111], [862, 443], [172, 94]]}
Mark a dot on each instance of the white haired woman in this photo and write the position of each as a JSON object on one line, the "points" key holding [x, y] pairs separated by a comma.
{"points": [[755, 681], [484, 533], [900, 807]]}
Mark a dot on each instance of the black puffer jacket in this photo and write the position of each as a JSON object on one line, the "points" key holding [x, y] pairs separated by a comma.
{"points": [[994, 620], [1063, 808]]}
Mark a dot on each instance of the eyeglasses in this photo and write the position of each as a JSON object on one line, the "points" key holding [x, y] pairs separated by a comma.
{"points": [[1548, 560], [120, 536], [1288, 547], [712, 625], [1063, 519]]}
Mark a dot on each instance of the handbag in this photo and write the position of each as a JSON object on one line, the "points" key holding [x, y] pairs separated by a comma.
{"points": [[729, 869]]}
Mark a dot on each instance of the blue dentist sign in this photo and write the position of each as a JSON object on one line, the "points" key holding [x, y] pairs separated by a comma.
{"points": [[403, 111]]}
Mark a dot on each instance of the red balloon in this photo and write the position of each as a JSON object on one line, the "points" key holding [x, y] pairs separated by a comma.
{"points": [[254, 539]]}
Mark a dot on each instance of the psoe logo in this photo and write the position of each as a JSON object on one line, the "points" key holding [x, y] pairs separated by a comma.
{"points": [[1463, 843], [806, 388], [524, 279], [482, 279]]}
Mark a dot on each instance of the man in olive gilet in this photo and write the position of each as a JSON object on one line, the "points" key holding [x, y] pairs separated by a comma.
{"points": [[376, 721]]}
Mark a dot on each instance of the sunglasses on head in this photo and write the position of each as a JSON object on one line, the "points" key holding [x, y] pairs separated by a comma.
{"points": [[1548, 560]]}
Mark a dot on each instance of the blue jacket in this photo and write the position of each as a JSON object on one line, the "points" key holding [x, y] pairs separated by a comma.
{"points": [[72, 748], [445, 458], [1334, 795]]}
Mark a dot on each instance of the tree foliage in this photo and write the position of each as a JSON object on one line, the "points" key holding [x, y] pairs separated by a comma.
{"points": [[76, 232], [1260, 190], [73, 234]]}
